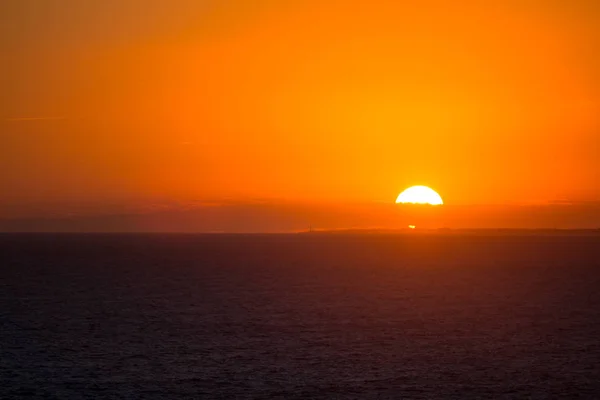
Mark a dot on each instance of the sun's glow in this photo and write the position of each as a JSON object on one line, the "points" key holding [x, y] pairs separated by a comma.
{"points": [[420, 195], [411, 227]]}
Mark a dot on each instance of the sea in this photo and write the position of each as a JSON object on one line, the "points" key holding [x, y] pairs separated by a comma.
{"points": [[299, 316]]}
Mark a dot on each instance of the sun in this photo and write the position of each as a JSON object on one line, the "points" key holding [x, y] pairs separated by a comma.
{"points": [[420, 195]]}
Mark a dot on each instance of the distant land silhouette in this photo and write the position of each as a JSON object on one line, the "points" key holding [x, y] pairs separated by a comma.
{"points": [[449, 231], [281, 217]]}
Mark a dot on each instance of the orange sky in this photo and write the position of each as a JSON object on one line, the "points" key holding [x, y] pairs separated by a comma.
{"points": [[144, 102]]}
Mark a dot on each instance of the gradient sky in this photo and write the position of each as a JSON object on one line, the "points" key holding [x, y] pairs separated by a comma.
{"points": [[130, 104]]}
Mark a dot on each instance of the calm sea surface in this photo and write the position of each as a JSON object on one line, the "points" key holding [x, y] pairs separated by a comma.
{"points": [[299, 316]]}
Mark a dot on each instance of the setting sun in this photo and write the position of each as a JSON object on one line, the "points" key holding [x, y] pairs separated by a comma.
{"points": [[420, 195]]}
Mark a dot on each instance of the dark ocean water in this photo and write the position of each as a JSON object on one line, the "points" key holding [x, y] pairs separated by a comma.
{"points": [[299, 316]]}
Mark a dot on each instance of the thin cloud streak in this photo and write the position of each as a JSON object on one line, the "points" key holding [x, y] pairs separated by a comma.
{"points": [[34, 119]]}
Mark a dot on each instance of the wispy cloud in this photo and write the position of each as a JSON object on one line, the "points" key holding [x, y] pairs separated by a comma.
{"points": [[35, 118]]}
